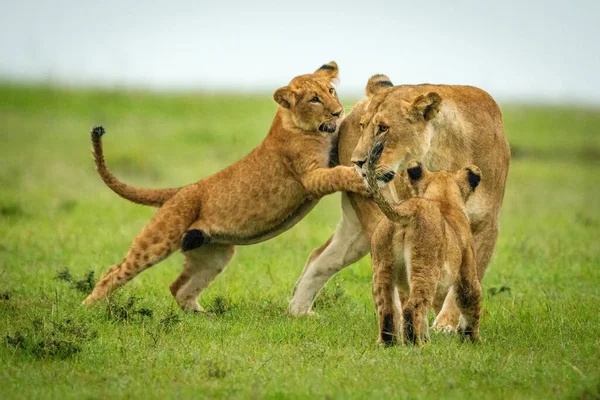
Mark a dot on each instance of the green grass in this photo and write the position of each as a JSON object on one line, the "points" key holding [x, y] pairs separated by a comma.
{"points": [[540, 323]]}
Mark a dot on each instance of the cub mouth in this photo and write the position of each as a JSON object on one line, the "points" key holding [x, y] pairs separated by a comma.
{"points": [[329, 127]]}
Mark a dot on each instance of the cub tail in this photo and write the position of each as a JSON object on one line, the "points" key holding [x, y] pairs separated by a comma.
{"points": [[147, 197]]}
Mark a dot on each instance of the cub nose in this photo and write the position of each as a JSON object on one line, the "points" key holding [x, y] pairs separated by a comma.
{"points": [[359, 163], [337, 114]]}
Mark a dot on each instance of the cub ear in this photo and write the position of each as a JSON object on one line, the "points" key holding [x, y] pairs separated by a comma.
{"points": [[376, 84], [425, 107], [414, 169], [473, 176], [284, 97], [329, 70], [468, 179]]}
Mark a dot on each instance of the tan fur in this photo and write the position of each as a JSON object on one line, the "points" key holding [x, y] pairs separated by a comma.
{"points": [[423, 248], [253, 200], [444, 127]]}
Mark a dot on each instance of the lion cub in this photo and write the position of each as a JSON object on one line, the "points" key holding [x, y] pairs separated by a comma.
{"points": [[255, 199], [423, 247]]}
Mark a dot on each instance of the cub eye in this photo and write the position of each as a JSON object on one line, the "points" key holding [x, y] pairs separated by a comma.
{"points": [[362, 126], [315, 100], [331, 90], [382, 129]]}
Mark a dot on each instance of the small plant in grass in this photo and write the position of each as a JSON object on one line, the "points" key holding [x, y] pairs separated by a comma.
{"points": [[84, 285], [50, 340]]}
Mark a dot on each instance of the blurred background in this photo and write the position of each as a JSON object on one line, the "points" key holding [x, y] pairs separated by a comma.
{"points": [[529, 51], [184, 89]]}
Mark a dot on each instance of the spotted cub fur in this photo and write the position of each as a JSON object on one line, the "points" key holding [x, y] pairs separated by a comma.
{"points": [[253, 200]]}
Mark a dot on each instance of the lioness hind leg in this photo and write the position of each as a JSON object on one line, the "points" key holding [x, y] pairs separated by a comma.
{"points": [[200, 267], [157, 240]]}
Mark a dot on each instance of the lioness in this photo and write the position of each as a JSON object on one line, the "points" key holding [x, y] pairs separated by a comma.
{"points": [[424, 246], [253, 200], [444, 127]]}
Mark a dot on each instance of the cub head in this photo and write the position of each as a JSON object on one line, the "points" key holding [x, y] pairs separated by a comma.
{"points": [[398, 116], [310, 101], [457, 186]]}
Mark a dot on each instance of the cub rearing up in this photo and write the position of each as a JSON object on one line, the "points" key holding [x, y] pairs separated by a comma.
{"points": [[423, 248], [253, 200]]}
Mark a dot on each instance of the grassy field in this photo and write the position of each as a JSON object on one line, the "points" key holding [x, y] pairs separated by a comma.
{"points": [[58, 222]]}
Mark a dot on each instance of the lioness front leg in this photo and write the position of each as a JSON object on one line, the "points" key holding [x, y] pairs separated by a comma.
{"points": [[324, 181], [347, 245]]}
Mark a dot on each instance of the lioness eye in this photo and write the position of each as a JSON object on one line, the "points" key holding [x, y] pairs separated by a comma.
{"points": [[382, 129], [331, 90], [315, 100], [362, 125]]}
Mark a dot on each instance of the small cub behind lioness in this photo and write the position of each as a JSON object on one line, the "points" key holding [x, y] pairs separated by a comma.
{"points": [[424, 247]]}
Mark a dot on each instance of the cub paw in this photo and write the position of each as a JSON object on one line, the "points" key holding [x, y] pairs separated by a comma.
{"points": [[468, 331], [468, 334], [89, 301]]}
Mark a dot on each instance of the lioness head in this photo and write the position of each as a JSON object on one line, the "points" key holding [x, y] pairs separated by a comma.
{"points": [[400, 120], [442, 185], [311, 100]]}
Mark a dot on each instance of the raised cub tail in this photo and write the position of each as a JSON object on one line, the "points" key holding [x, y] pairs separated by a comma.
{"points": [[399, 213], [147, 197]]}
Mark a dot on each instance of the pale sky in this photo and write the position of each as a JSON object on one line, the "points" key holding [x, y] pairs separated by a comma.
{"points": [[516, 50]]}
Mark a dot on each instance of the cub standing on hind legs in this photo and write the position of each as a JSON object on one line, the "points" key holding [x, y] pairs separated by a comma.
{"points": [[253, 200], [423, 247]]}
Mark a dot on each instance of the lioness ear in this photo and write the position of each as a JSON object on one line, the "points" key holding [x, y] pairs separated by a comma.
{"points": [[425, 107], [284, 97], [329, 70], [376, 84], [414, 169]]}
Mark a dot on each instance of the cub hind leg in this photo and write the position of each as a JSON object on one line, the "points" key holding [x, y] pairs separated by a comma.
{"points": [[385, 295], [485, 234], [157, 240], [200, 267], [468, 298], [424, 274]]}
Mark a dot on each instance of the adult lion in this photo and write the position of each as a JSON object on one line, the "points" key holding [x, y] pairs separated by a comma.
{"points": [[445, 127]]}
